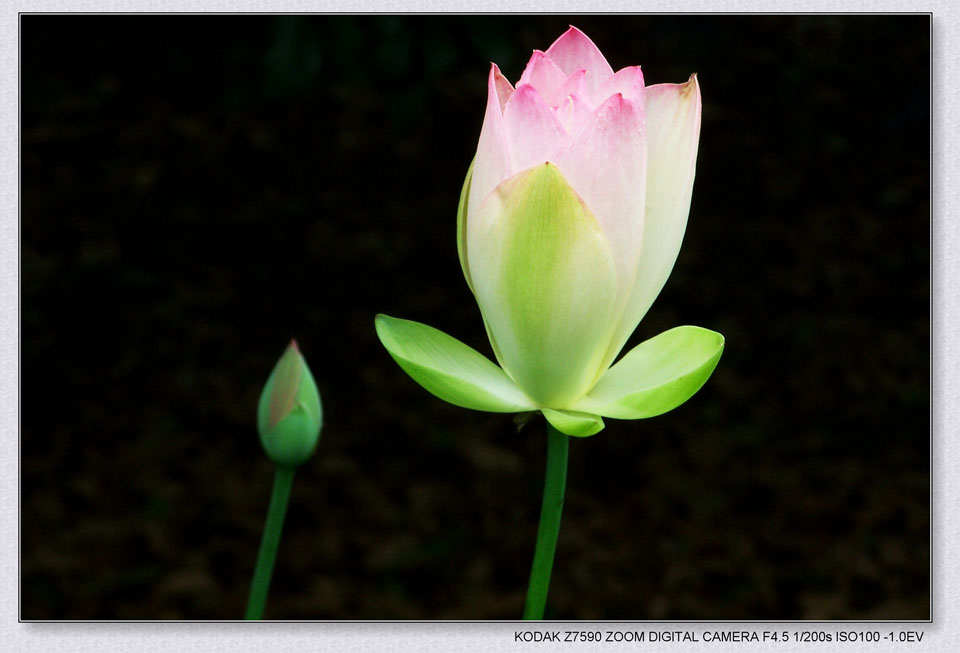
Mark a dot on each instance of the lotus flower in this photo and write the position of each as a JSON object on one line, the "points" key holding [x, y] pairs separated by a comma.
{"points": [[570, 221]]}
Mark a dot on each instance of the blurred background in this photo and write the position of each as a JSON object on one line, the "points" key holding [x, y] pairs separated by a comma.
{"points": [[196, 190]]}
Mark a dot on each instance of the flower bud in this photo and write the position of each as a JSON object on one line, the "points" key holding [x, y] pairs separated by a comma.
{"points": [[289, 415]]}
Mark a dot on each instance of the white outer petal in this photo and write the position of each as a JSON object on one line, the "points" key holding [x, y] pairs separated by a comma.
{"points": [[673, 134]]}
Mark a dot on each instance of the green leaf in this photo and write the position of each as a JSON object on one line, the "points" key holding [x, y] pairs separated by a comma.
{"points": [[573, 423], [448, 368], [656, 376]]}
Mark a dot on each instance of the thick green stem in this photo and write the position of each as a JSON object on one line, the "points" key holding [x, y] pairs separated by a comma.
{"points": [[558, 447], [260, 585]]}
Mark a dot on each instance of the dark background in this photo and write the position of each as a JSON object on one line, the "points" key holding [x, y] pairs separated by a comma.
{"points": [[198, 189]]}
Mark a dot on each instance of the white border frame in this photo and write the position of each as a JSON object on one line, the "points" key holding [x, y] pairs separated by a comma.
{"points": [[942, 634]]}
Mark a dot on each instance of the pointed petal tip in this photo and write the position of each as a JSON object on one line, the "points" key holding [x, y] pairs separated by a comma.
{"points": [[618, 107], [574, 50], [381, 324], [703, 331], [615, 103], [498, 86], [495, 71], [523, 90], [293, 345], [573, 33], [691, 86]]}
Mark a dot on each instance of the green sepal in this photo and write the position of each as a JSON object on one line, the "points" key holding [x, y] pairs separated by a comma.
{"points": [[573, 423], [290, 443], [656, 376], [449, 369], [462, 224], [545, 280]]}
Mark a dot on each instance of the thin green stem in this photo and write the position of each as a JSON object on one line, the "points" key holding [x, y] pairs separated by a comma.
{"points": [[272, 529], [558, 447]]}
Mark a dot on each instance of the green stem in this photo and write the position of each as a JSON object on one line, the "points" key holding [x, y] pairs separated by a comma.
{"points": [[260, 585], [558, 447]]}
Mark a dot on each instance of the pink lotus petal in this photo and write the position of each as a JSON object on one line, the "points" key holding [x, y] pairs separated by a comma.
{"points": [[605, 162], [286, 383], [573, 113], [673, 134], [542, 74], [503, 87], [533, 129], [626, 81], [494, 160], [574, 51], [574, 84]]}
